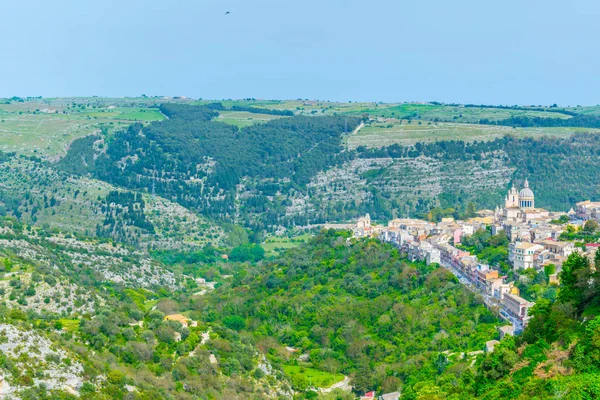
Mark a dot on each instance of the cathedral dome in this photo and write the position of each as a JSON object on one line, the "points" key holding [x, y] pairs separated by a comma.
{"points": [[526, 193]]}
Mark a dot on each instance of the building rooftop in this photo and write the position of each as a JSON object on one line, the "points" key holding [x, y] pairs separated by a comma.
{"points": [[177, 317], [526, 245], [519, 299]]}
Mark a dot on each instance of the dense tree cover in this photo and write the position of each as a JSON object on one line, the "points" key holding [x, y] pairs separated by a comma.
{"points": [[126, 340], [247, 252], [198, 162], [553, 109], [577, 121], [491, 249], [570, 164], [122, 209], [258, 176], [256, 110], [182, 111], [357, 308], [557, 355]]}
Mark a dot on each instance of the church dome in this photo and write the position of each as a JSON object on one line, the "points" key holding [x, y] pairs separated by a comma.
{"points": [[526, 193]]}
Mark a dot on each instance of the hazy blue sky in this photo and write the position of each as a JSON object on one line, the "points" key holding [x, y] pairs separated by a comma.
{"points": [[501, 52]]}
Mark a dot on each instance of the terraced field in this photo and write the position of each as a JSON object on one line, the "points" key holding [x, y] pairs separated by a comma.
{"points": [[45, 129], [388, 132], [244, 118], [455, 113]]}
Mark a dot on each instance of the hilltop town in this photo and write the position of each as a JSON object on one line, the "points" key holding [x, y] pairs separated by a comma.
{"points": [[535, 241]]}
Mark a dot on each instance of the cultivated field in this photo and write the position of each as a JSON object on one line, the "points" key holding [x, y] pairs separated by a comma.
{"points": [[433, 112], [380, 134], [244, 118], [423, 111], [276, 244], [45, 128], [588, 110]]}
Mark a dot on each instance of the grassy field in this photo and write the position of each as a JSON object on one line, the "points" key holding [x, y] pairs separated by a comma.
{"points": [[588, 110], [45, 128], [380, 134], [244, 118], [424, 111], [141, 115], [69, 325], [274, 245], [313, 377], [462, 114], [306, 107]]}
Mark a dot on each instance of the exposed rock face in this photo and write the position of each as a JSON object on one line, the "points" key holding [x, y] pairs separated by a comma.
{"points": [[114, 263], [29, 351], [405, 180]]}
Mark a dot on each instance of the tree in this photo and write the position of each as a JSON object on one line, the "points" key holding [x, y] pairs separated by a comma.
{"points": [[590, 227], [549, 269], [471, 211], [574, 279], [362, 381], [234, 322], [247, 252]]}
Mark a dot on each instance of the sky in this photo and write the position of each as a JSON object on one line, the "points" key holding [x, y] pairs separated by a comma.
{"points": [[468, 51]]}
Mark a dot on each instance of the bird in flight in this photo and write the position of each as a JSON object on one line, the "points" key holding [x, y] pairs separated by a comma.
{"points": [[227, 12]]}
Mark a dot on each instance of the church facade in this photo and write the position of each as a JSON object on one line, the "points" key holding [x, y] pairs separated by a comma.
{"points": [[519, 205]]}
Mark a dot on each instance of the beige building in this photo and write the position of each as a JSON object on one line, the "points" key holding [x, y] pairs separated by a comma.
{"points": [[517, 306], [588, 210], [522, 254], [563, 249], [519, 206]]}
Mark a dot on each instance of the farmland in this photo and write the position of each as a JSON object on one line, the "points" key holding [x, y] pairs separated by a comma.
{"points": [[46, 127], [387, 132], [311, 377], [454, 113], [244, 118], [277, 244]]}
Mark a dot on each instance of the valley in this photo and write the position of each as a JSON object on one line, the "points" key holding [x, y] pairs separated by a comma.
{"points": [[179, 248]]}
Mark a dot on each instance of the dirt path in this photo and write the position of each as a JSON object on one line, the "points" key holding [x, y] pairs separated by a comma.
{"points": [[354, 132], [344, 385]]}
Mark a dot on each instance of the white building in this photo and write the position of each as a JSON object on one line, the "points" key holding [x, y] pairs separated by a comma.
{"points": [[522, 254]]}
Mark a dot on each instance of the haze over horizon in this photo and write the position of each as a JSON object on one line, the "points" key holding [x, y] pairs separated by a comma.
{"points": [[466, 52]]}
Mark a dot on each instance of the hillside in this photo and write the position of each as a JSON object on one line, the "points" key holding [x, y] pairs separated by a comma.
{"points": [[39, 194], [244, 176], [355, 308], [85, 318], [295, 171], [95, 314], [557, 355]]}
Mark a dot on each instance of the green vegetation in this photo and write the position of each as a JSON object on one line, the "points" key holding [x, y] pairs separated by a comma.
{"points": [[308, 377], [456, 113], [386, 133], [588, 233], [492, 250], [557, 353], [356, 309], [46, 127], [276, 244], [41, 195], [190, 153], [242, 119], [100, 247]]}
